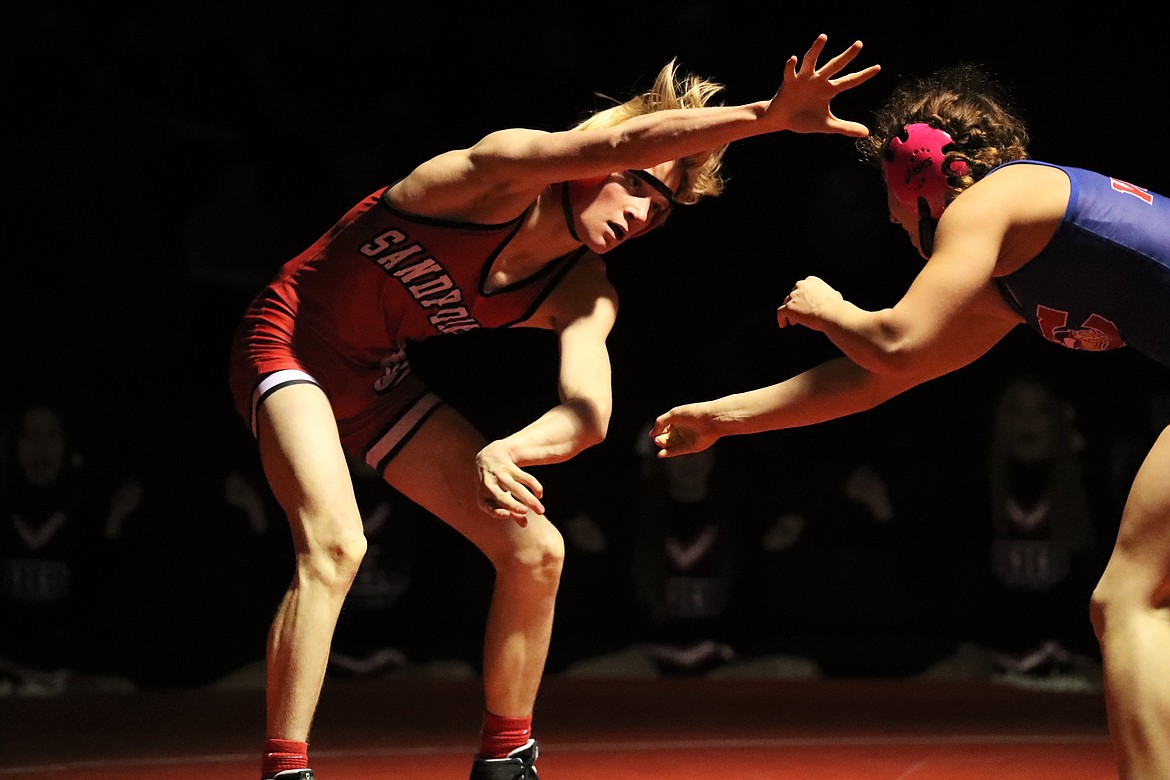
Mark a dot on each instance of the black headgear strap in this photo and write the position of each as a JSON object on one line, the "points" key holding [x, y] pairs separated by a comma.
{"points": [[655, 182], [649, 178], [568, 211]]}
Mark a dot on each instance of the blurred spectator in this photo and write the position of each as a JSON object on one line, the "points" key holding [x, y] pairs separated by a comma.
{"points": [[199, 566], [55, 520], [1041, 549], [846, 571], [683, 579], [378, 632], [595, 611], [684, 563]]}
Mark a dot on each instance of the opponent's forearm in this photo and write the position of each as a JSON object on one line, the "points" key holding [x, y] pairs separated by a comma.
{"points": [[834, 389], [866, 338]]}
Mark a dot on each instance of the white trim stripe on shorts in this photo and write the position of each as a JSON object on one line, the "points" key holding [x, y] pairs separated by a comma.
{"points": [[270, 384], [384, 446]]}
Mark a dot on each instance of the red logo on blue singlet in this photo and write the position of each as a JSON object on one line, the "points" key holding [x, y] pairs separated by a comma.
{"points": [[1140, 193], [1095, 334]]}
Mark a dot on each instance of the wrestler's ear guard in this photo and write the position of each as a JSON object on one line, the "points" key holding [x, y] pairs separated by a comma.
{"points": [[916, 171]]}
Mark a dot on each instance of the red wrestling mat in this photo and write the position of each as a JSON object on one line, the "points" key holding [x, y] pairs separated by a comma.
{"points": [[640, 729]]}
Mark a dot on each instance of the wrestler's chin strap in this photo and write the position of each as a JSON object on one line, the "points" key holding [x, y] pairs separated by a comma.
{"points": [[568, 212], [926, 226]]}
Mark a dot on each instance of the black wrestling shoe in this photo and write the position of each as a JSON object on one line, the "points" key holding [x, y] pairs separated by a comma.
{"points": [[291, 774], [519, 765]]}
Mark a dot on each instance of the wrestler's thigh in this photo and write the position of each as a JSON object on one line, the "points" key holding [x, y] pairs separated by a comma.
{"points": [[436, 469], [1142, 552], [303, 459]]}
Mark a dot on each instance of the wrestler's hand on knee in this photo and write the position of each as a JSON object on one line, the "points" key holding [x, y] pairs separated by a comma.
{"points": [[505, 490]]}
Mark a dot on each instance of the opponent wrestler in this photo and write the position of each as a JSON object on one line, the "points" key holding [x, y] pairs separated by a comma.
{"points": [[507, 232], [1081, 257]]}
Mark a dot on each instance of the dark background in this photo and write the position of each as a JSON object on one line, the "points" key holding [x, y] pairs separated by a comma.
{"points": [[162, 162]]}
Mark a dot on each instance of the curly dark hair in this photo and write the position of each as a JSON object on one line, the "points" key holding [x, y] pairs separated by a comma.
{"points": [[964, 101]]}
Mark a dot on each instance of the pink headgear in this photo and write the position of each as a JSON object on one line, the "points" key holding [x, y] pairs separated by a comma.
{"points": [[914, 167]]}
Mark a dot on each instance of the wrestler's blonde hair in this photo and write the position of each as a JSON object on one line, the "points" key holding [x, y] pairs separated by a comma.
{"points": [[700, 173]]}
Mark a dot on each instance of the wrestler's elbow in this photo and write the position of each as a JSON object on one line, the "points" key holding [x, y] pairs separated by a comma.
{"points": [[593, 417], [894, 361], [891, 351]]}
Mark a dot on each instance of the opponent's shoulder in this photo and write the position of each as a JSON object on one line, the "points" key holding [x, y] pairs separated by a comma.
{"points": [[1023, 189], [1029, 176]]}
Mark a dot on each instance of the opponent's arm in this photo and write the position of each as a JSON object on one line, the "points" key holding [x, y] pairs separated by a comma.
{"points": [[833, 389], [955, 283]]}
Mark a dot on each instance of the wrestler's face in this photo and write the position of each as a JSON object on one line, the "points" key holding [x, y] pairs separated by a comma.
{"points": [[1029, 420], [623, 205], [41, 445]]}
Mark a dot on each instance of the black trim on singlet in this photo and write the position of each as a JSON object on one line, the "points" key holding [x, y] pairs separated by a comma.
{"points": [[559, 268]]}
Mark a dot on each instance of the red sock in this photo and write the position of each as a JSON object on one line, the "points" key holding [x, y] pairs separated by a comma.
{"points": [[282, 754], [501, 735]]}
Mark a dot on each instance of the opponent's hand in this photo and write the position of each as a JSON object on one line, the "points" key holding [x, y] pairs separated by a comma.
{"points": [[682, 431], [506, 491], [802, 102], [809, 303]]}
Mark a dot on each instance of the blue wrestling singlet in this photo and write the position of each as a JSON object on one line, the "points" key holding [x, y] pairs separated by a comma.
{"points": [[1103, 281]]}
